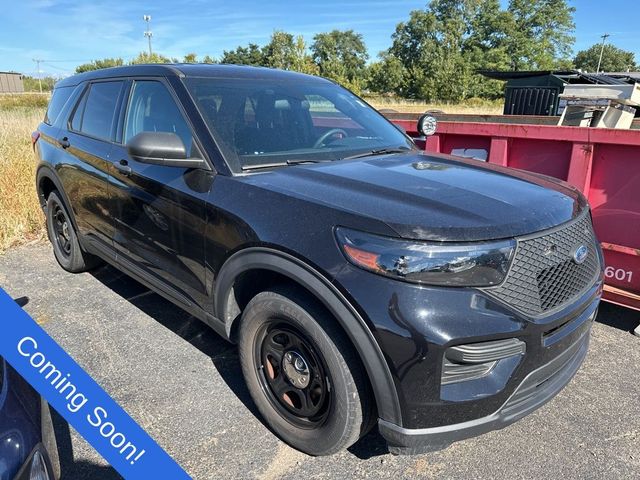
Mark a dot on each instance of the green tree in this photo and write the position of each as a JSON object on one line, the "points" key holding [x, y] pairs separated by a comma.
{"points": [[250, 55], [99, 64], [614, 59], [386, 75], [190, 58], [302, 61], [280, 51], [429, 45], [209, 59], [341, 56], [442, 47], [485, 48], [287, 52], [283, 51], [144, 57], [32, 84], [539, 34]]}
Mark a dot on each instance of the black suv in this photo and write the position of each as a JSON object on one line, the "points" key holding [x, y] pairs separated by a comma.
{"points": [[365, 281]]}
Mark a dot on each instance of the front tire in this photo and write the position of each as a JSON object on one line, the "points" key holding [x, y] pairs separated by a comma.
{"points": [[64, 239], [303, 373]]}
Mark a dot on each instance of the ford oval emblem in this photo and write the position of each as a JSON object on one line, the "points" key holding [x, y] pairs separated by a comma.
{"points": [[580, 254]]}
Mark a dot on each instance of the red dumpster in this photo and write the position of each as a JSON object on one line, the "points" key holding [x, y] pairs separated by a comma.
{"points": [[603, 163]]}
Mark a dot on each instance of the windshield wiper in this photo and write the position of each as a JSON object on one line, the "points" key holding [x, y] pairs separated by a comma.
{"points": [[300, 161], [291, 161], [381, 151]]}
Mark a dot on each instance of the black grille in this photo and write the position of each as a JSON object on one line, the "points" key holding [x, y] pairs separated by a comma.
{"points": [[544, 275]]}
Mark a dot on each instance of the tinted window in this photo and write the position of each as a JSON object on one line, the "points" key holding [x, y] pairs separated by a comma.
{"points": [[76, 121], [266, 121], [153, 109], [99, 110], [58, 100]]}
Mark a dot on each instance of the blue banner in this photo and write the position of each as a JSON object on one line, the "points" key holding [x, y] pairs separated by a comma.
{"points": [[79, 399]]}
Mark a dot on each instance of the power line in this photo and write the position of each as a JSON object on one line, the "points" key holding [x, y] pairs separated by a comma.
{"points": [[604, 39], [57, 68], [38, 62]]}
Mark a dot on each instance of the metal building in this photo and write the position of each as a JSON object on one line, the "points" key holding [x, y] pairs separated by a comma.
{"points": [[11, 82]]}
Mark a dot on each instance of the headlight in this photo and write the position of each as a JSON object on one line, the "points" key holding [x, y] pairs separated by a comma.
{"points": [[449, 264]]}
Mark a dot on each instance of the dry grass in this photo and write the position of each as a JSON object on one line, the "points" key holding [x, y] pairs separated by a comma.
{"points": [[472, 106], [21, 219], [23, 100]]}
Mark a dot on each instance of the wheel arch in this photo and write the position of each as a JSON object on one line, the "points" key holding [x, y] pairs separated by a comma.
{"points": [[282, 264], [46, 182]]}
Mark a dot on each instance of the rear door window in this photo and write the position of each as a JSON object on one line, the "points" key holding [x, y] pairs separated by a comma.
{"points": [[58, 100], [95, 113]]}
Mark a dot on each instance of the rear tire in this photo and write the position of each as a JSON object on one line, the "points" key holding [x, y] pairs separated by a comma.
{"points": [[303, 373], [64, 239]]}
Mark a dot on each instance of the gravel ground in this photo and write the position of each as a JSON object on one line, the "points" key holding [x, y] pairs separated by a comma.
{"points": [[182, 383]]}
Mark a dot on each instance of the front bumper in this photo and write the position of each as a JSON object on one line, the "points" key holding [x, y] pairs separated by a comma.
{"points": [[536, 389], [415, 326]]}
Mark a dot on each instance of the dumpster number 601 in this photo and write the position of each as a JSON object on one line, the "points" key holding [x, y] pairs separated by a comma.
{"points": [[619, 274]]}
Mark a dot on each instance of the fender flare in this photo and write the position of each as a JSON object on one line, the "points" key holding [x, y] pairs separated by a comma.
{"points": [[44, 171], [367, 347]]}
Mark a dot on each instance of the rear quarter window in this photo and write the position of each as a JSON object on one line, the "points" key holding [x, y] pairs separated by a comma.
{"points": [[58, 100]]}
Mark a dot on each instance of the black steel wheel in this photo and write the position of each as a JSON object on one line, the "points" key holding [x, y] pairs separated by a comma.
{"points": [[64, 239], [292, 373], [302, 372], [61, 225]]}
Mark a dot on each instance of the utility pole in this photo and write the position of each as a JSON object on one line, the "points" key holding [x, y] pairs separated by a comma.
{"points": [[604, 39], [148, 33], [38, 62]]}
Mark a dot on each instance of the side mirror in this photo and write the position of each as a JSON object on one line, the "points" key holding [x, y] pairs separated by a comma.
{"points": [[162, 148]]}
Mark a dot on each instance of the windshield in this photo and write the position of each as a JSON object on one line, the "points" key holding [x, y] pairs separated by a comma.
{"points": [[263, 122]]}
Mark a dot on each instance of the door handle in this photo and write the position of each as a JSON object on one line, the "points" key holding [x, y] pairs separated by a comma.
{"points": [[64, 142], [123, 167]]}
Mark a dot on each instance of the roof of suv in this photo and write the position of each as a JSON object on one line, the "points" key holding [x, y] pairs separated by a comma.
{"points": [[186, 70]]}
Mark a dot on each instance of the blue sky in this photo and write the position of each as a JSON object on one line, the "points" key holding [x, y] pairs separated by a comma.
{"points": [[66, 33]]}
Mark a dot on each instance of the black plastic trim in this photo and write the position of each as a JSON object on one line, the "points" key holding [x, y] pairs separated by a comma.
{"points": [[486, 351], [361, 336]]}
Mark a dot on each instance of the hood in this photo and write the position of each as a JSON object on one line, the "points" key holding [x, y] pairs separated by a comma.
{"points": [[433, 197]]}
